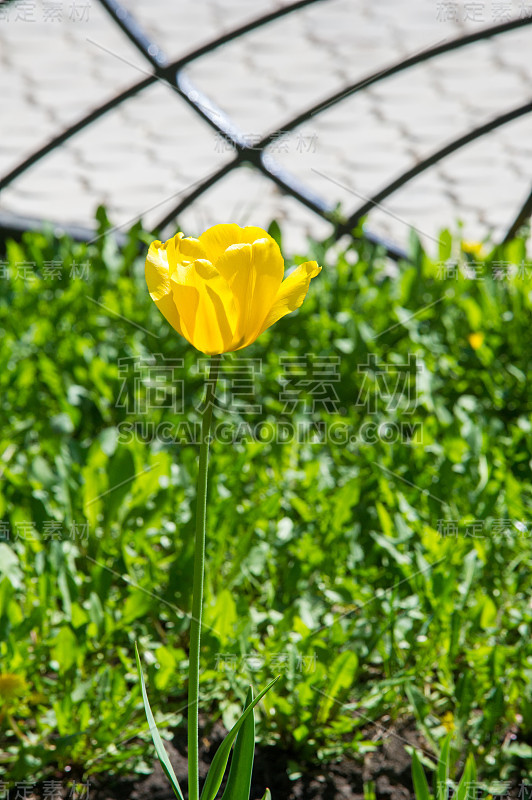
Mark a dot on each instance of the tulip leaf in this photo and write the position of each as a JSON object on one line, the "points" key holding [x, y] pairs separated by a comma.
{"points": [[239, 780], [157, 741], [275, 232], [419, 779], [267, 795], [342, 674], [468, 779], [442, 772], [219, 762]]}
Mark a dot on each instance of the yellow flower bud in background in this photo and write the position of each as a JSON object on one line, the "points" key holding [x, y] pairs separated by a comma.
{"points": [[10, 686], [448, 721], [476, 340], [473, 249], [223, 290]]}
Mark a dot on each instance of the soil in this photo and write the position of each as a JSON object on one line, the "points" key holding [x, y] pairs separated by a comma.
{"points": [[389, 768]]}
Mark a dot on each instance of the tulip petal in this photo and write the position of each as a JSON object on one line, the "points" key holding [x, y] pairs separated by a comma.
{"points": [[205, 305], [252, 234], [217, 239], [292, 292], [157, 273], [191, 249], [253, 273]]}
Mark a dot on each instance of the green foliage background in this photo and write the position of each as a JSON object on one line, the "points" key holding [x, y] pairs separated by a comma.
{"points": [[327, 560]]}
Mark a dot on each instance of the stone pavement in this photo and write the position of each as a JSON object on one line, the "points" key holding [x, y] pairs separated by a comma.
{"points": [[61, 58]]}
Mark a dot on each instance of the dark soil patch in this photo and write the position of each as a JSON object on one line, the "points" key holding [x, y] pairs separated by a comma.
{"points": [[388, 768]]}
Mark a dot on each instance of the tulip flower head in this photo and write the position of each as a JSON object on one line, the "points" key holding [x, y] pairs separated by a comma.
{"points": [[222, 290]]}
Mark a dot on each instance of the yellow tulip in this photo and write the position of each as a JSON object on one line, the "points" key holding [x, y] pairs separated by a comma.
{"points": [[223, 290]]}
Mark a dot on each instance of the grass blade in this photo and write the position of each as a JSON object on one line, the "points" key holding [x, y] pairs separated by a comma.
{"points": [[442, 772], [239, 781], [219, 762], [468, 780], [421, 786], [157, 741]]}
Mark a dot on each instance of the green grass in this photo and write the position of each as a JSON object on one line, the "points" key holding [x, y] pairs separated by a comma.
{"points": [[327, 560]]}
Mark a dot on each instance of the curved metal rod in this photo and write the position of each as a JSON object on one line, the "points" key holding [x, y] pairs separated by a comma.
{"points": [[291, 186], [174, 75], [75, 128], [523, 214], [265, 164], [122, 17], [394, 69], [134, 32], [160, 72], [171, 71], [476, 133], [269, 167], [254, 155], [316, 204], [213, 178]]}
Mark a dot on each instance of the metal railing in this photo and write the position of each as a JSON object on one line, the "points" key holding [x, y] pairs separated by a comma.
{"points": [[173, 74]]}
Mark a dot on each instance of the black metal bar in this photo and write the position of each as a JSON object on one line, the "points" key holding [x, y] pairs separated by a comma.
{"points": [[161, 70], [269, 167], [476, 133], [171, 73], [247, 27], [393, 250], [127, 22], [197, 192], [207, 110], [174, 78], [292, 187], [75, 128], [141, 41], [250, 153], [524, 213], [394, 69]]}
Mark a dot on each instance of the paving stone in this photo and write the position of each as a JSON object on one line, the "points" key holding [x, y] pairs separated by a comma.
{"points": [[147, 150], [262, 203], [196, 23]]}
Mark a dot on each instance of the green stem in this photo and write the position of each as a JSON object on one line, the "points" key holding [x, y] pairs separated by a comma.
{"points": [[197, 586]]}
